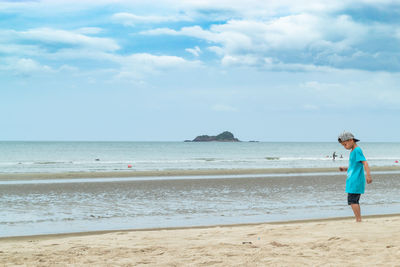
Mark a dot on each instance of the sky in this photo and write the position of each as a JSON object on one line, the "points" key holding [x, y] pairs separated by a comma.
{"points": [[169, 70]]}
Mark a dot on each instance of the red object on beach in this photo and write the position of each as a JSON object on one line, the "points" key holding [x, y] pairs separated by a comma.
{"points": [[396, 161], [129, 166]]}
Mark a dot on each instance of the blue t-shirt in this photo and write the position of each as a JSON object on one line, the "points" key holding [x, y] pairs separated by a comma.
{"points": [[355, 183]]}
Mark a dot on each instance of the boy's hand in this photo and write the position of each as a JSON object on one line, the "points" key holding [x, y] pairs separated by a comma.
{"points": [[342, 169], [367, 172]]}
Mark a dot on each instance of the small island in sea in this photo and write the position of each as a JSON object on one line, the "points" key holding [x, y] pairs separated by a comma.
{"points": [[222, 137]]}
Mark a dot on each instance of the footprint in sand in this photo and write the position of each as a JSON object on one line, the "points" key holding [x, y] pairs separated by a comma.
{"points": [[122, 233], [277, 244], [52, 245]]}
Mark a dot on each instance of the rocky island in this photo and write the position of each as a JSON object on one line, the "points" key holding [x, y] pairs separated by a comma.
{"points": [[222, 137]]}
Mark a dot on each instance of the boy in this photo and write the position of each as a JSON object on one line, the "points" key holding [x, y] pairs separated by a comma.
{"points": [[355, 183]]}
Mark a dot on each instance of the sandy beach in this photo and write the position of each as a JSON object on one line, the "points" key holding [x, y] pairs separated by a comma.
{"points": [[330, 242]]}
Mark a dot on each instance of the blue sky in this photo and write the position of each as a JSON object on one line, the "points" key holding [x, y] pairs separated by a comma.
{"points": [[171, 70]]}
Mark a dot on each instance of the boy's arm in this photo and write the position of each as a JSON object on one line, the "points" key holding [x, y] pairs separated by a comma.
{"points": [[368, 172]]}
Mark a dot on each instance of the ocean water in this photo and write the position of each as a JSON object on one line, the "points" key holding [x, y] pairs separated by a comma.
{"points": [[79, 205], [50, 157], [29, 207]]}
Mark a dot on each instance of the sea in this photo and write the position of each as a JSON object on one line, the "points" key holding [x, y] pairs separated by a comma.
{"points": [[56, 157], [51, 206]]}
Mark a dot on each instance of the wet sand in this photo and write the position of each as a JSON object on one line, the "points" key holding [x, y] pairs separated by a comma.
{"points": [[333, 242], [133, 173]]}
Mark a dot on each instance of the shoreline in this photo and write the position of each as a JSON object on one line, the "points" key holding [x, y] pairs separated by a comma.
{"points": [[166, 173], [103, 232]]}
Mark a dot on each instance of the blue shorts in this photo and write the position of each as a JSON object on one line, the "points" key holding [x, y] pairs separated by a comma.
{"points": [[353, 198]]}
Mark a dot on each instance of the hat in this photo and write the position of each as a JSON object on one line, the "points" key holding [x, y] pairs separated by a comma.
{"points": [[346, 136]]}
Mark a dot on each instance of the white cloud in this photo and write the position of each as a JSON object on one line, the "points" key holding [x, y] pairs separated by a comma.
{"points": [[69, 46], [349, 89], [216, 49], [25, 66], [129, 19], [55, 36], [229, 60], [89, 30], [190, 9], [24, 50], [316, 86], [48, 44], [145, 59], [160, 31], [68, 68], [204, 8], [305, 35], [138, 66], [298, 39], [196, 51]]}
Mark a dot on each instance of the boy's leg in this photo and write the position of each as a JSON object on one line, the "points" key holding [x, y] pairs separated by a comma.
{"points": [[357, 211], [353, 200]]}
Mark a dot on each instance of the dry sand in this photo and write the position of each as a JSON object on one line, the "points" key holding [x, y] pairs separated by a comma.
{"points": [[330, 242]]}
